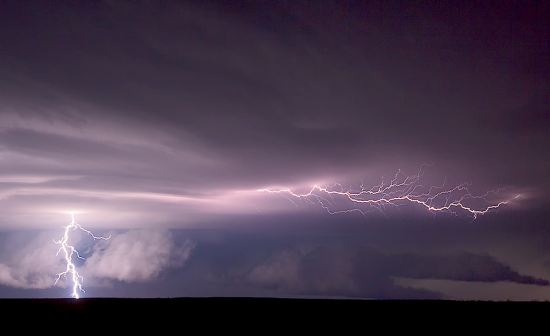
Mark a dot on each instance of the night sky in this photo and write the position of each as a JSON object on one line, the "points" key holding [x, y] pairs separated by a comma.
{"points": [[160, 122]]}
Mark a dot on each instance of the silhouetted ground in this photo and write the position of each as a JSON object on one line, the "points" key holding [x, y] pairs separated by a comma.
{"points": [[257, 315]]}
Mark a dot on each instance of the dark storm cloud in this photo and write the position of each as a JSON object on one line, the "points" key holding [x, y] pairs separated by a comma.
{"points": [[41, 144], [330, 272], [461, 266], [363, 272], [350, 269], [224, 97], [277, 104]]}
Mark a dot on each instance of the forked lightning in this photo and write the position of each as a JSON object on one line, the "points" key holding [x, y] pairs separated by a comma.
{"points": [[69, 250], [396, 193]]}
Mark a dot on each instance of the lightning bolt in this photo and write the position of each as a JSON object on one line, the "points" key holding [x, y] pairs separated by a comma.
{"points": [[69, 251], [401, 189]]}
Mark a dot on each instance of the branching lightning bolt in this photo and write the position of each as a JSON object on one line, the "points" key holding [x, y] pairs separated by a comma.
{"points": [[398, 192], [69, 250]]}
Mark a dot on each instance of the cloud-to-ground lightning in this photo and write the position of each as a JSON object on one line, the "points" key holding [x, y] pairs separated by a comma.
{"points": [[69, 251], [399, 191]]}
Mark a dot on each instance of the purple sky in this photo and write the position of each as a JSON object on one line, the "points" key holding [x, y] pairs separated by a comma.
{"points": [[158, 122]]}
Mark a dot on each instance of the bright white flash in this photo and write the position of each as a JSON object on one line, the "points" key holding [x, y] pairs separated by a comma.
{"points": [[69, 250]]}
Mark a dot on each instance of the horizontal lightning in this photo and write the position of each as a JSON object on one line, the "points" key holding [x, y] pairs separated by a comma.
{"points": [[69, 251], [396, 193]]}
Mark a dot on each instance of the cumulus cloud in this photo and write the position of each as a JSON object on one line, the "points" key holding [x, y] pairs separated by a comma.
{"points": [[30, 263], [136, 256]]}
